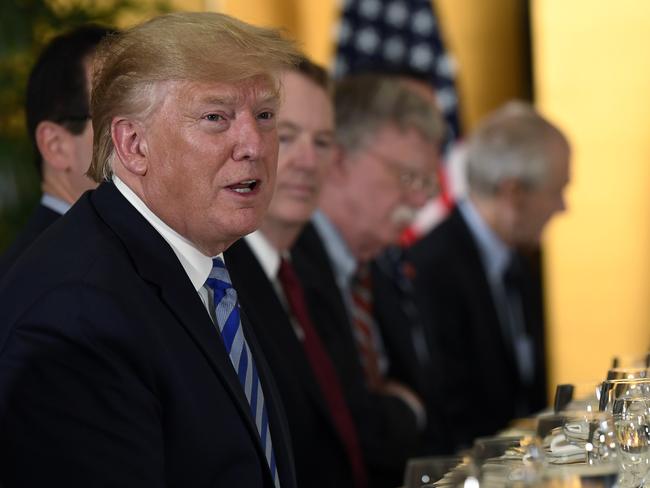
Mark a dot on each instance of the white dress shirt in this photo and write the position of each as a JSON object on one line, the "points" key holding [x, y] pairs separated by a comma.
{"points": [[269, 258], [196, 264]]}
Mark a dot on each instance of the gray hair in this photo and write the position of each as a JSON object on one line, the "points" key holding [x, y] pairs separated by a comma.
{"points": [[366, 103], [510, 144]]}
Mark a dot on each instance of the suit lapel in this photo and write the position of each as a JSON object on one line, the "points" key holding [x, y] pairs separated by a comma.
{"points": [[323, 294], [157, 264]]}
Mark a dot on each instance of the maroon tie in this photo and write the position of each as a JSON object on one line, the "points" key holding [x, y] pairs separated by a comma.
{"points": [[323, 369]]}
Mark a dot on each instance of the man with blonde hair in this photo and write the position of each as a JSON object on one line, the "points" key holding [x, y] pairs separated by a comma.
{"points": [[124, 358], [474, 287]]}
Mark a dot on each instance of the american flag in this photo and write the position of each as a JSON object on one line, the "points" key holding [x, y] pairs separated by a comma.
{"points": [[403, 35], [398, 34]]}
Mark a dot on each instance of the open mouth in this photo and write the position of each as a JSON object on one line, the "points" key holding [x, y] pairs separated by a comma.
{"points": [[246, 186]]}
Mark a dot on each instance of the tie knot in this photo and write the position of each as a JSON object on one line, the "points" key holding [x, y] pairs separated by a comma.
{"points": [[513, 272], [219, 279], [286, 273], [362, 277]]}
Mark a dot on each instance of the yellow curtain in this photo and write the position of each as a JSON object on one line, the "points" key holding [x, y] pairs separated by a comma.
{"points": [[592, 76]]}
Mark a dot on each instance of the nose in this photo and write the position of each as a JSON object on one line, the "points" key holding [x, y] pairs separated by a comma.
{"points": [[248, 138], [416, 198]]}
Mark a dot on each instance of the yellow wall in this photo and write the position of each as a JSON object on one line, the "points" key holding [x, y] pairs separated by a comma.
{"points": [[593, 77], [310, 22], [488, 42]]}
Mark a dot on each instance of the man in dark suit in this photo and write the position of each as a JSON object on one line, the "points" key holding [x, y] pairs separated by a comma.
{"points": [[325, 439], [473, 286], [388, 135], [124, 357], [58, 121], [387, 418]]}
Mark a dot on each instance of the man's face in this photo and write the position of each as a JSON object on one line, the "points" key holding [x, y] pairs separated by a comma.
{"points": [[211, 153], [306, 135], [536, 206], [387, 181]]}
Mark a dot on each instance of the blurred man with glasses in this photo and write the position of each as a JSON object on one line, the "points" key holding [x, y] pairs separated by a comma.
{"points": [[58, 121], [388, 135]]}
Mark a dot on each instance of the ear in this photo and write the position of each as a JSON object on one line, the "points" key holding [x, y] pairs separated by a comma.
{"points": [[54, 144], [130, 145]]}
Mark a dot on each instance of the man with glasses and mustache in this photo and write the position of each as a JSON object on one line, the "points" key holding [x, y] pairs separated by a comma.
{"points": [[58, 121], [388, 136]]}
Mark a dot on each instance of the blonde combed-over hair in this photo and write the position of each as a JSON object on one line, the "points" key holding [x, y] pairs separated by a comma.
{"points": [[181, 46]]}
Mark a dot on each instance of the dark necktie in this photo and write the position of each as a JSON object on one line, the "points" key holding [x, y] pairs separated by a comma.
{"points": [[232, 333], [363, 326], [324, 371], [513, 282]]}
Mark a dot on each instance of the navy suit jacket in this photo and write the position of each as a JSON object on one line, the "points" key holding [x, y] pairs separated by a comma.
{"points": [[40, 219], [401, 326], [111, 371], [320, 456], [387, 426], [481, 389]]}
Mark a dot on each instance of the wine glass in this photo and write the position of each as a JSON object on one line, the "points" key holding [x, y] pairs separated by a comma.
{"points": [[628, 373], [629, 403]]}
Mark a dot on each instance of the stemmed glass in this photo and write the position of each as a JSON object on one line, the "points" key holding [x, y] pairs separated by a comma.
{"points": [[629, 403]]}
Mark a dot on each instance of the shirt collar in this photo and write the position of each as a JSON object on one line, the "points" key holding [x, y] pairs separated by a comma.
{"points": [[344, 264], [495, 254], [266, 254], [55, 204], [196, 264]]}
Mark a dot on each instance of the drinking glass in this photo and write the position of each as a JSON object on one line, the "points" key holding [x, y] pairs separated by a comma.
{"points": [[627, 373], [629, 403]]}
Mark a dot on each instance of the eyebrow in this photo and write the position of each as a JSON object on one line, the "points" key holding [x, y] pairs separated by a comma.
{"points": [[286, 124], [229, 100]]}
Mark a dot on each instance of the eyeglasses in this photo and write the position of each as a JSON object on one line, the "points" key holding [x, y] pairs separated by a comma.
{"points": [[410, 180]]}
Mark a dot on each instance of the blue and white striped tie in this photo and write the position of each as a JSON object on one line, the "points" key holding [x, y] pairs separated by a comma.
{"points": [[232, 333]]}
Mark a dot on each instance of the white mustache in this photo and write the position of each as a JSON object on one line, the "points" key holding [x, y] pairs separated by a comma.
{"points": [[403, 215]]}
